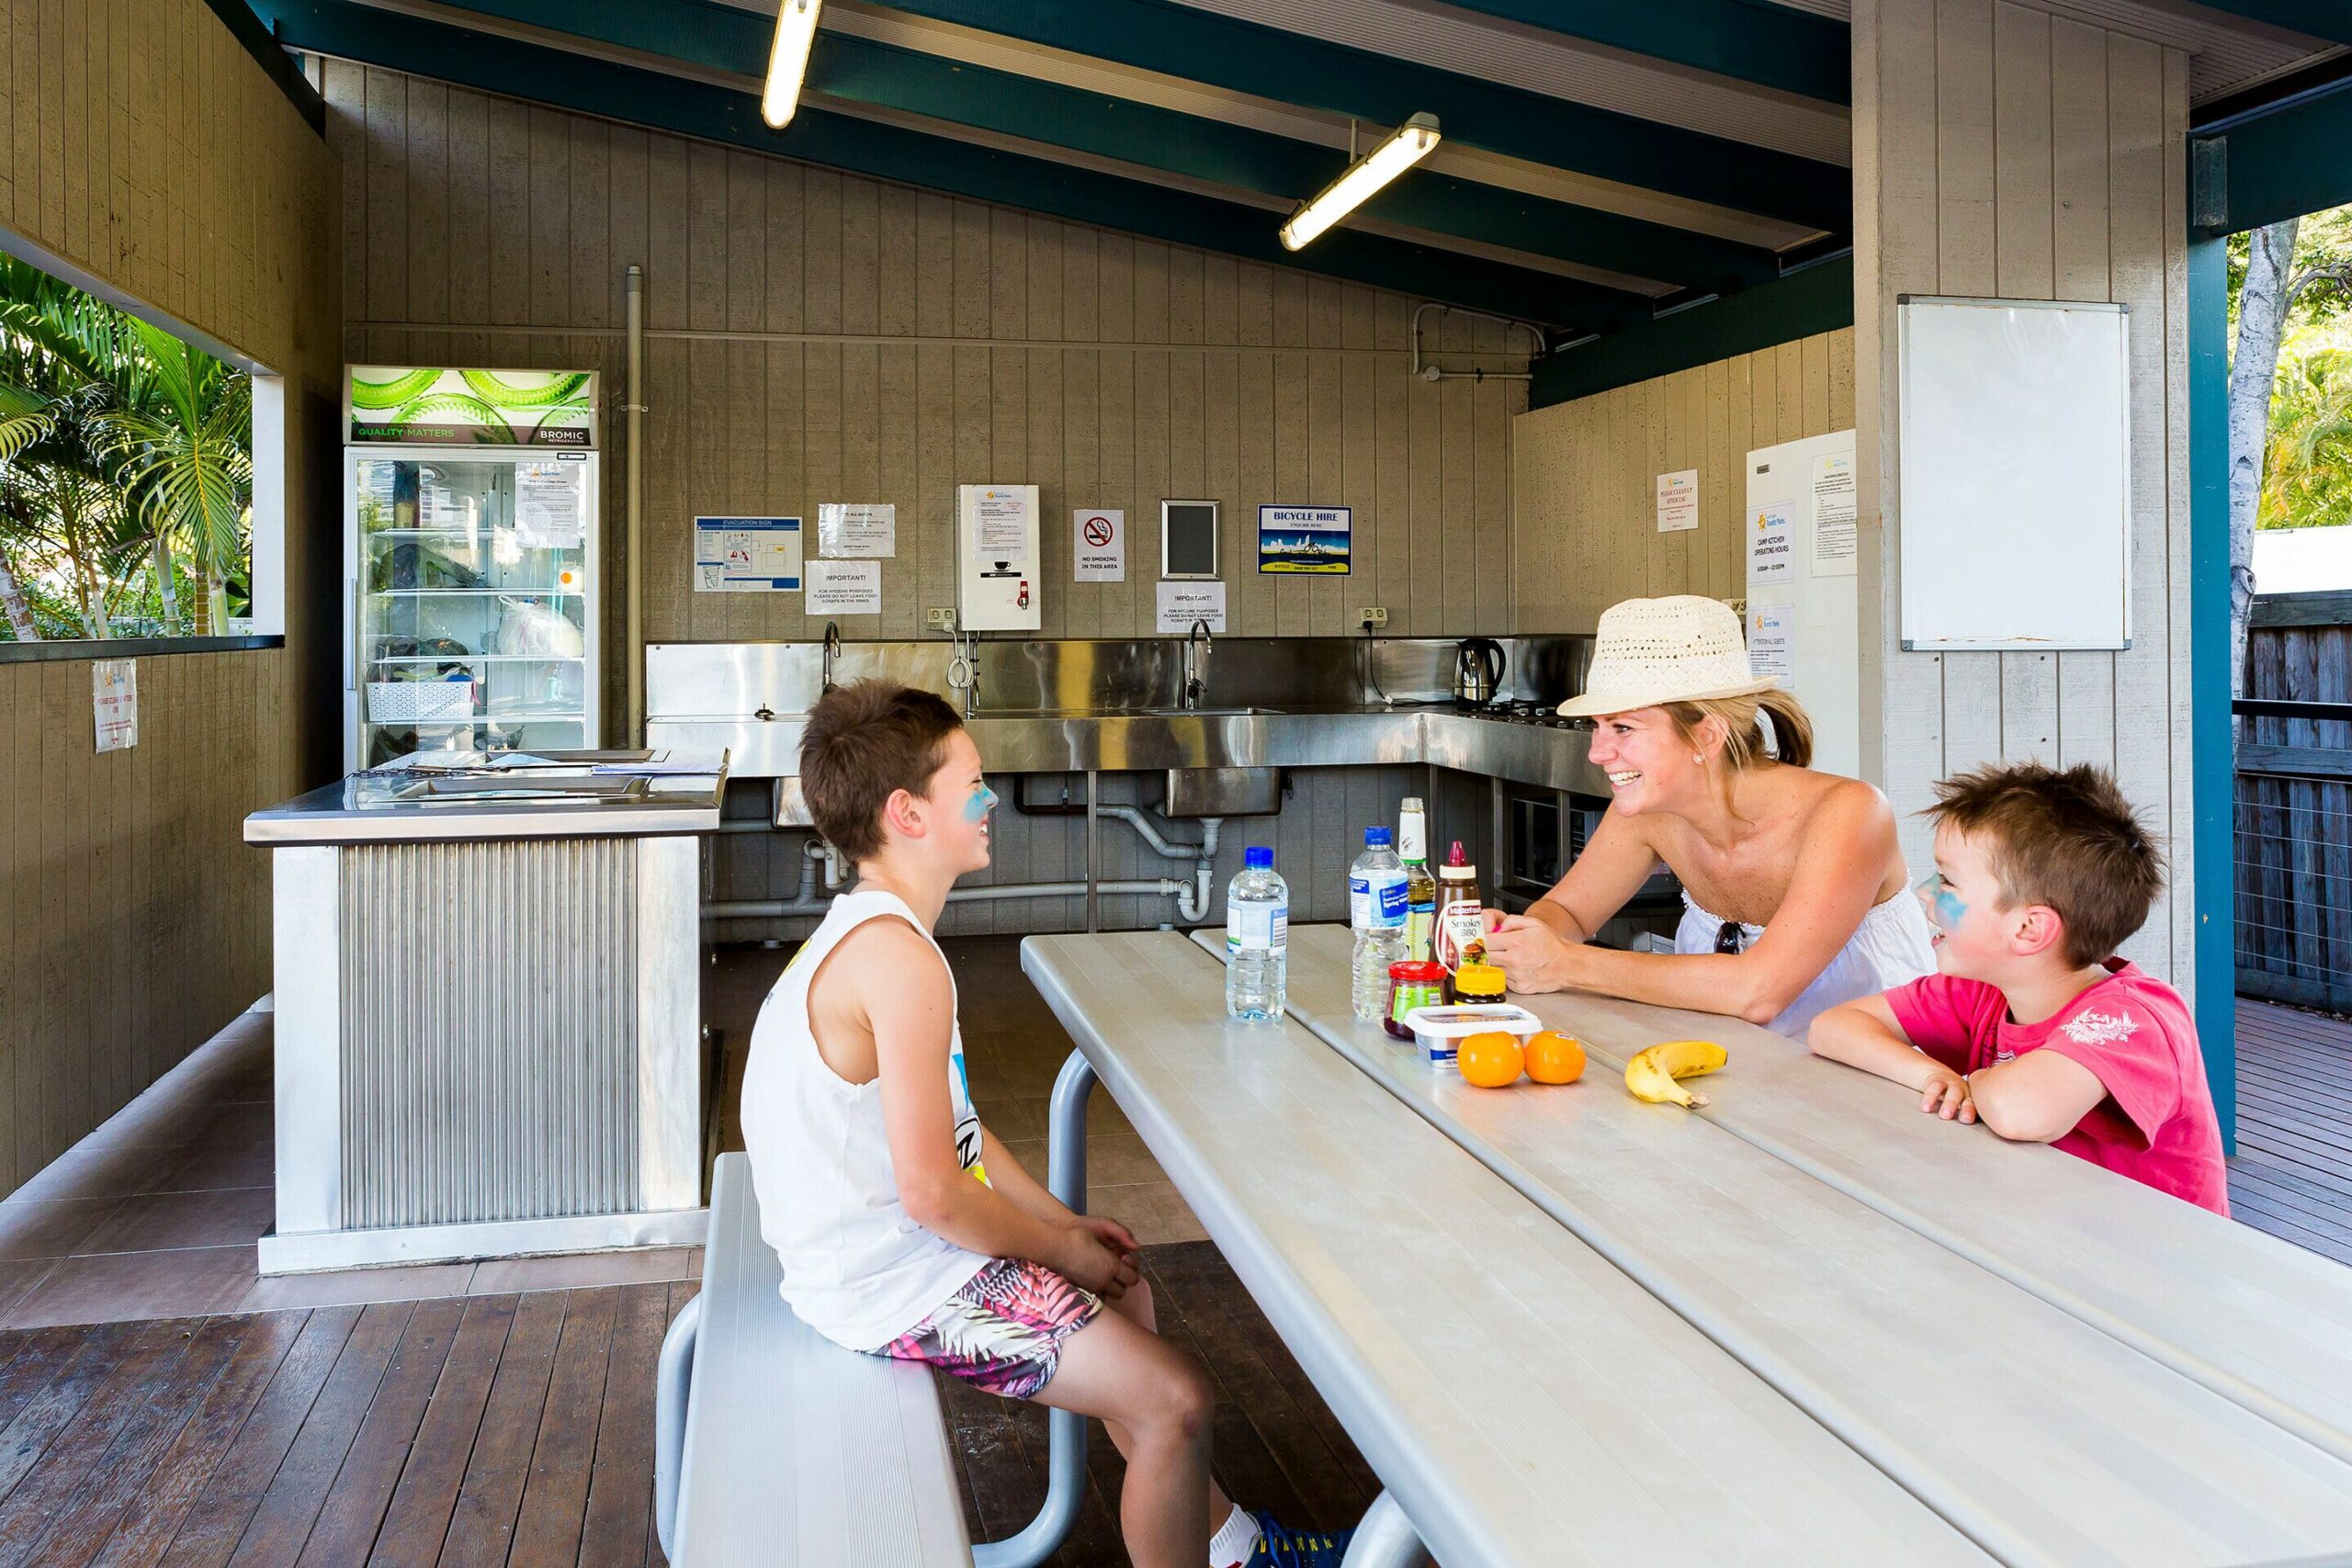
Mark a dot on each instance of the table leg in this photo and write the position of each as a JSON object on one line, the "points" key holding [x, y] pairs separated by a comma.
{"points": [[1385, 1538], [1065, 1429]]}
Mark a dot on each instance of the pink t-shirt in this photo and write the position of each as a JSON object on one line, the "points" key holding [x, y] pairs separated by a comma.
{"points": [[2157, 1124]]}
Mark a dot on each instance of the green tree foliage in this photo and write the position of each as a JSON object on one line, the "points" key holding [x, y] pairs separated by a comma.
{"points": [[126, 470], [2307, 467]]}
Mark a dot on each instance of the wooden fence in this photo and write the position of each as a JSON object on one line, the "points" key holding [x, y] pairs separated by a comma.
{"points": [[2294, 804]]}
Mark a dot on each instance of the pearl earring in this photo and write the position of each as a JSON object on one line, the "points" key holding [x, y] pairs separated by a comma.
{"points": [[1700, 758]]}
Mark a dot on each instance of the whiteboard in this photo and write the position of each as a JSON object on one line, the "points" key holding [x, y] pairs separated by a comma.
{"points": [[1804, 613], [2015, 527]]}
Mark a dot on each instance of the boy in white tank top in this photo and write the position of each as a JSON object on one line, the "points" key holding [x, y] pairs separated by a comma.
{"points": [[904, 1228]]}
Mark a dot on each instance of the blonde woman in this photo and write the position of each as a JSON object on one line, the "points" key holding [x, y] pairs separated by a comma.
{"points": [[1795, 892]]}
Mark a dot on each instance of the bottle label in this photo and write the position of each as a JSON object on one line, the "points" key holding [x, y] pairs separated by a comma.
{"points": [[1420, 919], [1412, 841], [1376, 900], [1458, 930], [1256, 928]]}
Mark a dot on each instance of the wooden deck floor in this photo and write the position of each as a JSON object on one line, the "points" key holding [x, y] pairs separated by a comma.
{"points": [[2292, 1173]]}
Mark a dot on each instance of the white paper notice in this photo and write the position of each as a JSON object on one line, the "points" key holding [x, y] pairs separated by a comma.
{"points": [[114, 693], [857, 530], [1098, 546], [548, 499], [1772, 642], [1182, 603], [437, 506], [844, 588], [1769, 543], [1001, 527], [1835, 545], [747, 554], [1678, 501]]}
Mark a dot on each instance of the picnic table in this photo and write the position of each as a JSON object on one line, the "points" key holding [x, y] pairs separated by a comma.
{"points": [[1891, 1310]]}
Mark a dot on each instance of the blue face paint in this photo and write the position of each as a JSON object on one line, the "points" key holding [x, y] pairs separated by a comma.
{"points": [[1944, 908], [981, 802]]}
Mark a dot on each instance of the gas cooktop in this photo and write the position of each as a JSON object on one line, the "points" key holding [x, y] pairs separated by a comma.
{"points": [[1522, 711]]}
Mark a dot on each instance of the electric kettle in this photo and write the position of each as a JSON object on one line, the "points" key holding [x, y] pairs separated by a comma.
{"points": [[1478, 671]]}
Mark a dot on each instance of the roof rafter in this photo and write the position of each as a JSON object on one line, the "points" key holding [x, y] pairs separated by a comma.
{"points": [[1268, 62], [497, 64], [847, 68], [1771, 46]]}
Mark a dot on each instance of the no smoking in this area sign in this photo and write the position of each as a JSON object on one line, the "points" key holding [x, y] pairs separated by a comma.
{"points": [[1099, 545]]}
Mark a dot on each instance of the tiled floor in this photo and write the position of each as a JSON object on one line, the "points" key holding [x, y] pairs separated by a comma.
{"points": [[155, 1214]]}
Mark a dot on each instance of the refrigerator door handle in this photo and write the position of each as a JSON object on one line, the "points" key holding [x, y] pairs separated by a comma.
{"points": [[351, 638]]}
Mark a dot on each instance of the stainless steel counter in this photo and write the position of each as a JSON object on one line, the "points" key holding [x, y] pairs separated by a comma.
{"points": [[1113, 742], [368, 810], [489, 1031]]}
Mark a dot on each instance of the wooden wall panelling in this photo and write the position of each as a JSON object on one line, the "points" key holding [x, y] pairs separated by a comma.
{"points": [[2003, 150], [141, 144]]}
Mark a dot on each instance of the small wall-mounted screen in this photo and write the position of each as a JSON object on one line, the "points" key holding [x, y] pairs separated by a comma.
{"points": [[1188, 538]]}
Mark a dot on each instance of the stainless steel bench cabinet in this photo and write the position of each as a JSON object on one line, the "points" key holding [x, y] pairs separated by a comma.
{"points": [[775, 1447]]}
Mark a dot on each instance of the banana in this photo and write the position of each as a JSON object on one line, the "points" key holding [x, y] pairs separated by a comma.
{"points": [[1651, 1074]]}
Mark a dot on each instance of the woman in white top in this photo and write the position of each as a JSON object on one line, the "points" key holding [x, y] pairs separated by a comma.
{"points": [[1794, 891]]}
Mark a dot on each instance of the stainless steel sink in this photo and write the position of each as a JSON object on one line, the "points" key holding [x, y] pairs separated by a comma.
{"points": [[1208, 713]]}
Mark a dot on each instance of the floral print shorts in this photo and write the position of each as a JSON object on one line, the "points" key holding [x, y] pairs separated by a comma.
{"points": [[1003, 1331]]}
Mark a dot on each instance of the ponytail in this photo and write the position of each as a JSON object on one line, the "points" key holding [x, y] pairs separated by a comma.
{"points": [[1768, 725]]}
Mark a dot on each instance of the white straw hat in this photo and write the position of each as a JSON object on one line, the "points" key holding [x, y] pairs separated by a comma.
{"points": [[1677, 649]]}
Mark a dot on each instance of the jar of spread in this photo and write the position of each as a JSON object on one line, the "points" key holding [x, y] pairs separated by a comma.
{"points": [[1478, 983], [1412, 984]]}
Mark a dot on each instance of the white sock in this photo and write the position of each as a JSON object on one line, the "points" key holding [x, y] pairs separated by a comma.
{"points": [[1234, 1540]]}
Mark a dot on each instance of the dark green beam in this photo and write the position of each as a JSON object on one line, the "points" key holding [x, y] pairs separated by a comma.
{"points": [[2329, 20], [1818, 300], [859, 71], [2276, 164], [1267, 63], [547, 75], [1770, 45]]}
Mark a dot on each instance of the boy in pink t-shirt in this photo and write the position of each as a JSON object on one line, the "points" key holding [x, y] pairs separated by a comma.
{"points": [[2031, 1026]]}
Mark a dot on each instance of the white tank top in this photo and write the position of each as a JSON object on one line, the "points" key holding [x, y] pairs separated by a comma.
{"points": [[1892, 946], [856, 1267]]}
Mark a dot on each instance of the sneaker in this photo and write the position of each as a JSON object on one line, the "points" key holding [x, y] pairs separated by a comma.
{"points": [[1282, 1547]]}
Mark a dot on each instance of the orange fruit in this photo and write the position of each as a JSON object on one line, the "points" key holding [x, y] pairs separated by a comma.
{"points": [[1490, 1060], [1555, 1058]]}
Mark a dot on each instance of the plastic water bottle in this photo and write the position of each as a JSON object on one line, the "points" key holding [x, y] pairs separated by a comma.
{"points": [[1376, 908], [1257, 940]]}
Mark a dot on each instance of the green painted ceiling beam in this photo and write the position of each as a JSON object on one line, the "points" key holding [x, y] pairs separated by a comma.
{"points": [[885, 152], [860, 71], [2280, 163], [1818, 300], [1267, 63], [2329, 20], [1769, 45]]}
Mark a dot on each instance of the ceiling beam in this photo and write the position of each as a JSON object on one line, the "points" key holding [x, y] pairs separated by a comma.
{"points": [[1771, 46], [2329, 20], [1268, 63], [849, 69], [496, 63]]}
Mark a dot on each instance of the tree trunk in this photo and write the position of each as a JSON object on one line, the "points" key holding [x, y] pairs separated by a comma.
{"points": [[167, 586], [12, 598], [2262, 324]]}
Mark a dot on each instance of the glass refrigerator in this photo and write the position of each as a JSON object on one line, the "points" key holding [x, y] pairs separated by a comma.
{"points": [[472, 538]]}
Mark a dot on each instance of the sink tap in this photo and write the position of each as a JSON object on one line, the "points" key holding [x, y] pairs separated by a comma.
{"points": [[1196, 648], [833, 652]]}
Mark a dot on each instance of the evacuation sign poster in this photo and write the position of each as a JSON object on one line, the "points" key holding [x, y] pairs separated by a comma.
{"points": [[1304, 539]]}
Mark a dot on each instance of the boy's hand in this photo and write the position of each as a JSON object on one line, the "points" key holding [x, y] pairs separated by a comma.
{"points": [[1093, 1261], [1110, 1232], [1947, 1096]]}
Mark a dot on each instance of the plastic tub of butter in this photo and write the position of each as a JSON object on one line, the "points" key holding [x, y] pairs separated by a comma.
{"points": [[1438, 1032]]}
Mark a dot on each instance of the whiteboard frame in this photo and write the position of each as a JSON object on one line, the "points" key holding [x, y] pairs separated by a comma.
{"points": [[1903, 372]]}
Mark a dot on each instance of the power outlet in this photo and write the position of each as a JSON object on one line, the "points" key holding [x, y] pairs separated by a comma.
{"points": [[941, 617], [1374, 618]]}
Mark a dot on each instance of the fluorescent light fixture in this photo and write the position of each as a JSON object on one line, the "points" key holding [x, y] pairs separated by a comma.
{"points": [[796, 29], [1403, 148]]}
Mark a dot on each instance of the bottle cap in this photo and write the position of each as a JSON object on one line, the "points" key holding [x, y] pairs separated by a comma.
{"points": [[1375, 837], [1456, 857], [1258, 858]]}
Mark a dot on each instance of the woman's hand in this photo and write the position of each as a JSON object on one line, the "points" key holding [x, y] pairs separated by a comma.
{"points": [[1092, 1259], [1530, 953]]}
